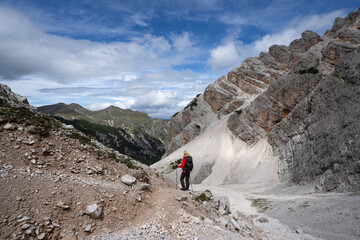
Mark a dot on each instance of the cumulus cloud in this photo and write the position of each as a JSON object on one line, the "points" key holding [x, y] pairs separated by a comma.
{"points": [[233, 51], [26, 49], [224, 55]]}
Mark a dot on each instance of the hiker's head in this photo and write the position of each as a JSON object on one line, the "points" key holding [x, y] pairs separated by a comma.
{"points": [[186, 153]]}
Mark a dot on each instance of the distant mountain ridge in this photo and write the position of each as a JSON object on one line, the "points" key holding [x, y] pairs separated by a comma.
{"points": [[129, 132], [111, 116]]}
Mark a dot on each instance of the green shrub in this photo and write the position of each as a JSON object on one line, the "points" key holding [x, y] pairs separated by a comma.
{"points": [[201, 198], [239, 111], [311, 70], [127, 162], [261, 203], [111, 155]]}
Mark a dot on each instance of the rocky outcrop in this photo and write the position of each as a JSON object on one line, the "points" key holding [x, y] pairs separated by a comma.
{"points": [[6, 92], [319, 140], [188, 123], [277, 101]]}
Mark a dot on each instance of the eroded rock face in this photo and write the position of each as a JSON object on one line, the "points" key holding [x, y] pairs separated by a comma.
{"points": [[188, 124], [336, 50], [275, 103], [319, 140]]}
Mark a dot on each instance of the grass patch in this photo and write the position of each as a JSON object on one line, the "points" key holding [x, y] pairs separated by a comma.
{"points": [[127, 162], [305, 205], [111, 155], [202, 197], [22, 114], [260, 203]]}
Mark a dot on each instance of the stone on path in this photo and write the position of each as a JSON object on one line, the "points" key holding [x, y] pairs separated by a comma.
{"points": [[128, 180], [94, 210]]}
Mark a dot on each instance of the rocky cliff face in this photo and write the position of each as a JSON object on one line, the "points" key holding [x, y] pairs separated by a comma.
{"points": [[319, 140], [303, 98]]}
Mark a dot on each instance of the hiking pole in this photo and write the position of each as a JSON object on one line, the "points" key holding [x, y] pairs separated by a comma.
{"points": [[176, 177], [191, 183]]}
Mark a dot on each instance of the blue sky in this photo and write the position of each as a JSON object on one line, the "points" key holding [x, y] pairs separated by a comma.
{"points": [[150, 56]]}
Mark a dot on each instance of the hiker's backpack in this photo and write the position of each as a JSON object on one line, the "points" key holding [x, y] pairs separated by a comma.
{"points": [[188, 164]]}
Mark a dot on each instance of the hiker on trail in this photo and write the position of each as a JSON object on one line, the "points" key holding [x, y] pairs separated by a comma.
{"points": [[187, 166]]}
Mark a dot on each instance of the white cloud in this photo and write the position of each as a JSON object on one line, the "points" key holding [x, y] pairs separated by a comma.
{"points": [[224, 56], [97, 106], [232, 52], [28, 50]]}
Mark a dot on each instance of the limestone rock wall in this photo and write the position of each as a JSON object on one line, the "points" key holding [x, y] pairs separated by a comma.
{"points": [[319, 140]]}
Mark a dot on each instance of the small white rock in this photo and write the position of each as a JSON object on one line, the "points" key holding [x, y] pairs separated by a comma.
{"points": [[87, 228], [94, 210], [128, 180], [8, 126], [25, 226], [41, 236], [23, 219]]}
